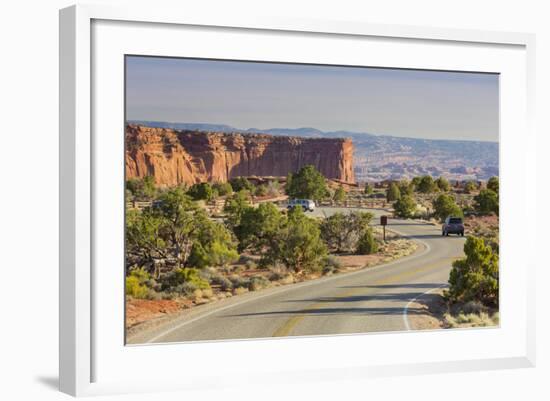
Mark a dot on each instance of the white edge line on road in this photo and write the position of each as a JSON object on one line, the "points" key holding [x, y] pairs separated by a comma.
{"points": [[286, 288], [406, 309]]}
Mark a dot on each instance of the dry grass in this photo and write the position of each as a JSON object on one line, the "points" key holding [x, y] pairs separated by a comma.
{"points": [[461, 320]]}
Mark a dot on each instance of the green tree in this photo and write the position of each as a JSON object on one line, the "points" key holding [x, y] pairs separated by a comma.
{"points": [[240, 183], [493, 184], [415, 182], [179, 227], [273, 188], [142, 188], [405, 188], [393, 193], [261, 190], [443, 184], [475, 278], [216, 241], [201, 191], [260, 227], [235, 207], [186, 275], [144, 243], [405, 207], [342, 231], [339, 195], [307, 183], [486, 202], [223, 188], [367, 244], [368, 188], [426, 185], [445, 205], [469, 187], [300, 247]]}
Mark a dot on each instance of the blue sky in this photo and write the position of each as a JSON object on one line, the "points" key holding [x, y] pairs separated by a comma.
{"points": [[409, 103]]}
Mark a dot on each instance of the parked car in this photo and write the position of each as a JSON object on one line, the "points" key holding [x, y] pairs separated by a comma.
{"points": [[307, 204], [453, 225]]}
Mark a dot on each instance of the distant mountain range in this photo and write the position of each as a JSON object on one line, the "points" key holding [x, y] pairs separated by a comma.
{"points": [[379, 157]]}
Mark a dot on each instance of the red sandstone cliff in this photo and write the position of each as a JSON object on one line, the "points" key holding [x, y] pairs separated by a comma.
{"points": [[174, 157]]}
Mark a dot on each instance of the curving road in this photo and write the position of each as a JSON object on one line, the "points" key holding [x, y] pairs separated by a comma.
{"points": [[368, 300]]}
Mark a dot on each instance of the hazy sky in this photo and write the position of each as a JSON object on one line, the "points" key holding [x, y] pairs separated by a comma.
{"points": [[410, 103]]}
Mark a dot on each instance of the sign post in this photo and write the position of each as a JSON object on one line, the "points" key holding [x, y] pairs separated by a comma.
{"points": [[383, 223]]}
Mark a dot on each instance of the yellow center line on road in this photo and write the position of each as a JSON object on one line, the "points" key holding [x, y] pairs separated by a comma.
{"points": [[285, 329]]}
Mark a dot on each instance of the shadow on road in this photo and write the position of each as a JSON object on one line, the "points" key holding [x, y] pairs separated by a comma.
{"points": [[425, 286], [388, 311], [398, 297]]}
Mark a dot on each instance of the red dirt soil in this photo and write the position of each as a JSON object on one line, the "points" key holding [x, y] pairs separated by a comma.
{"points": [[140, 310]]}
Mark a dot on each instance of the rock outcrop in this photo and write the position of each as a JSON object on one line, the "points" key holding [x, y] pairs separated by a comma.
{"points": [[174, 157]]}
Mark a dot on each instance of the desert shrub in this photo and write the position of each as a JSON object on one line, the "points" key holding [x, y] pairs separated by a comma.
{"points": [[405, 187], [135, 289], [339, 194], [426, 185], [276, 276], [473, 307], [369, 189], [486, 202], [186, 289], [493, 184], [443, 184], [445, 205], [240, 290], [405, 207], [241, 183], [469, 187], [139, 284], [181, 276], [141, 188], [393, 193], [261, 190], [367, 244], [273, 188], [201, 191], [340, 232], [475, 278], [481, 319], [198, 256], [258, 283], [238, 281], [251, 265], [223, 188], [332, 265], [224, 283]]}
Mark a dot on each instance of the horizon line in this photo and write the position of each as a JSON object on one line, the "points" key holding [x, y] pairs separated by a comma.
{"points": [[313, 128]]}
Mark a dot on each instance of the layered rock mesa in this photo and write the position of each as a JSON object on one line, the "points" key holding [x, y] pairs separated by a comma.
{"points": [[174, 157]]}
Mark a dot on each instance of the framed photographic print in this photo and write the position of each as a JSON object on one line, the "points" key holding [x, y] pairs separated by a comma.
{"points": [[296, 197]]}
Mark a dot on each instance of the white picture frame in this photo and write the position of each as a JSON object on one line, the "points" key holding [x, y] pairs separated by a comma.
{"points": [[88, 359]]}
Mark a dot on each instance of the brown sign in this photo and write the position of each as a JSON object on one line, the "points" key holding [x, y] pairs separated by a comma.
{"points": [[383, 220]]}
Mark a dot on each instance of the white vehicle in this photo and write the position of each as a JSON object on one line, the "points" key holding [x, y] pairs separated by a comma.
{"points": [[306, 204]]}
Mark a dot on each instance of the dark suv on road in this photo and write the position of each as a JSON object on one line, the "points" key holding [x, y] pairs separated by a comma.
{"points": [[453, 225]]}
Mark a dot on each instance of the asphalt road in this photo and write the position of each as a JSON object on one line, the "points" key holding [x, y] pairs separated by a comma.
{"points": [[369, 300]]}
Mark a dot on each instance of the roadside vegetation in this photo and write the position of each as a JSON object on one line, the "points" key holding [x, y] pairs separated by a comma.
{"points": [[179, 248], [472, 297], [190, 245]]}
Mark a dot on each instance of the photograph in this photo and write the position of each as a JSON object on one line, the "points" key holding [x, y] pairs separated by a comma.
{"points": [[272, 199]]}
